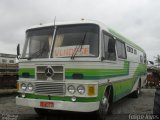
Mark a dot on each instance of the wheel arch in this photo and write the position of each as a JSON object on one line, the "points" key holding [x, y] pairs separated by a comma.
{"points": [[140, 81], [107, 89]]}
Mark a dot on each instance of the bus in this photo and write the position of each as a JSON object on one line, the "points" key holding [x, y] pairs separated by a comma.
{"points": [[78, 66]]}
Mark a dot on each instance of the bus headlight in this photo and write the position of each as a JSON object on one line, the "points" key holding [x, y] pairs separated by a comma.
{"points": [[30, 87], [23, 86], [71, 89], [81, 89]]}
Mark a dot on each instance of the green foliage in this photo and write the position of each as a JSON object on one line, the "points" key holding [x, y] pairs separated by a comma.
{"points": [[157, 59]]}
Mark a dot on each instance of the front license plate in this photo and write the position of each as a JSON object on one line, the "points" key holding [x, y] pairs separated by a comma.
{"points": [[46, 104]]}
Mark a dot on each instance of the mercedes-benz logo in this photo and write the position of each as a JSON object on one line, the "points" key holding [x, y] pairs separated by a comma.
{"points": [[49, 72]]}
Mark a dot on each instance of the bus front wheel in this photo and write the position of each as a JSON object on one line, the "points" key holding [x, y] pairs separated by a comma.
{"points": [[105, 105], [103, 108]]}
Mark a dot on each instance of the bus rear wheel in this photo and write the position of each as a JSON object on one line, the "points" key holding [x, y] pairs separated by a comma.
{"points": [[137, 92]]}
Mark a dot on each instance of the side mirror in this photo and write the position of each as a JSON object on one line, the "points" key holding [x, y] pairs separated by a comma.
{"points": [[18, 51]]}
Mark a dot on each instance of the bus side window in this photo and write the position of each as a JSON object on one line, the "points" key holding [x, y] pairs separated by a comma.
{"points": [[145, 58], [141, 59], [109, 48], [121, 51]]}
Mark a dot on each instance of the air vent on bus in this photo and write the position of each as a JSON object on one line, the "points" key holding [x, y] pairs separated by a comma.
{"points": [[49, 88]]}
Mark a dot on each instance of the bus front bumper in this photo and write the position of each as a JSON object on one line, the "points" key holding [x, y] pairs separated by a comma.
{"points": [[60, 105]]}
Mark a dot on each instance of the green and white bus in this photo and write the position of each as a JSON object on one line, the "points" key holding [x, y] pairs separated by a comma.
{"points": [[80, 66]]}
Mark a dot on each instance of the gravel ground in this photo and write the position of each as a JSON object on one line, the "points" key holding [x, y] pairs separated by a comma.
{"points": [[121, 109]]}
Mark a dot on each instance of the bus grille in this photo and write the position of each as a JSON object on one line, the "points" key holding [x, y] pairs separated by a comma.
{"points": [[58, 73], [48, 88]]}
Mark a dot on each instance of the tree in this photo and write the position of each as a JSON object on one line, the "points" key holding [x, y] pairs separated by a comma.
{"points": [[157, 60]]}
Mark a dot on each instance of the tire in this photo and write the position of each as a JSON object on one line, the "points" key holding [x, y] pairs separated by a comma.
{"points": [[103, 109], [137, 92], [156, 108], [105, 106]]}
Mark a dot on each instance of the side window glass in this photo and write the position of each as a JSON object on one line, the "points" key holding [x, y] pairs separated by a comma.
{"points": [[145, 58], [109, 48], [128, 48], [135, 52], [11, 61], [131, 50], [141, 59], [106, 39], [4, 61], [121, 52]]}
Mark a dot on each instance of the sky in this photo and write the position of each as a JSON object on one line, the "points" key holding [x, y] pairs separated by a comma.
{"points": [[138, 20]]}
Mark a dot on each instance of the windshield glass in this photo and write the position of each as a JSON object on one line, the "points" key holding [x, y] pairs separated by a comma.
{"points": [[38, 43], [76, 40]]}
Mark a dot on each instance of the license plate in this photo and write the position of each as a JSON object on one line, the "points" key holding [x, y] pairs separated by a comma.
{"points": [[46, 104]]}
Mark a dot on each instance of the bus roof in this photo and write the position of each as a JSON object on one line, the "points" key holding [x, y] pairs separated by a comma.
{"points": [[103, 26]]}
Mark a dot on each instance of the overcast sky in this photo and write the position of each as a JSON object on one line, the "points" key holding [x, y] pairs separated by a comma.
{"points": [[138, 20]]}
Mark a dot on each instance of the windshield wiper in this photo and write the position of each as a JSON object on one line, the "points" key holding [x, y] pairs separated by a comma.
{"points": [[78, 47]]}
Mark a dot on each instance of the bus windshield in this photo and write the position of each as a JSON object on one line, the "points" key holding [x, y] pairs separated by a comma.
{"points": [[76, 40], [38, 43], [69, 41]]}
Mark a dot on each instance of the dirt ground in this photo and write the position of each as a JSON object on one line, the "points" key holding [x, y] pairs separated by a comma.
{"points": [[121, 109]]}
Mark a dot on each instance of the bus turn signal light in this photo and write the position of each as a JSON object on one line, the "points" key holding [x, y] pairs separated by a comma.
{"points": [[91, 90]]}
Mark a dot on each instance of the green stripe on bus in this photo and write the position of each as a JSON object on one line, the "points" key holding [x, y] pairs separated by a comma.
{"points": [[120, 89], [61, 98], [30, 71], [91, 74], [123, 87]]}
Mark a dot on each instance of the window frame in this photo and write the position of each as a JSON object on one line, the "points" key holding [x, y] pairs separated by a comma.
{"points": [[124, 49], [141, 59], [70, 25], [144, 58], [111, 36], [4, 60], [131, 49], [135, 51], [11, 61], [27, 43], [128, 48]]}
